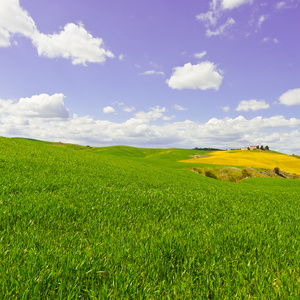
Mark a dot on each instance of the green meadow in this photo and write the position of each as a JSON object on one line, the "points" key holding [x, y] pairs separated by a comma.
{"points": [[130, 223]]}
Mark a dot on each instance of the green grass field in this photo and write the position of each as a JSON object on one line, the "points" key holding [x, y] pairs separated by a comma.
{"points": [[127, 223]]}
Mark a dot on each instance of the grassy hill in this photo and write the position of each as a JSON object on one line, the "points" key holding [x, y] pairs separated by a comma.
{"points": [[131, 223]]}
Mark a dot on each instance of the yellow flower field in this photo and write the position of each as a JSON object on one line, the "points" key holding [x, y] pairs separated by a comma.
{"points": [[255, 159]]}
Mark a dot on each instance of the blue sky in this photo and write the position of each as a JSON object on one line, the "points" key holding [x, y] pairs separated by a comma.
{"points": [[172, 73]]}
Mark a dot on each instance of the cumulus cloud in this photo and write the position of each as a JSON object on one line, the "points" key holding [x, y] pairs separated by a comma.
{"points": [[109, 110], [155, 113], [145, 128], [41, 106], [253, 104], [179, 107], [291, 97], [14, 20], [200, 55], [204, 75], [152, 72], [231, 4], [73, 42]]}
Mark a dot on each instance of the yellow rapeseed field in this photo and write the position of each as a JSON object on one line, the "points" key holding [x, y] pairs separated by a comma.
{"points": [[255, 159]]}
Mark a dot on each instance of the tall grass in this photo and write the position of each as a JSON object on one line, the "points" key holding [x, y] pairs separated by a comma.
{"points": [[127, 223]]}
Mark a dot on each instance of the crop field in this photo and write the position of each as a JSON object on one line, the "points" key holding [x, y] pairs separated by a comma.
{"points": [[256, 159], [130, 223]]}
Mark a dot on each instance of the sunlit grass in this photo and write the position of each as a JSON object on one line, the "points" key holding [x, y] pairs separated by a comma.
{"points": [[129, 223]]}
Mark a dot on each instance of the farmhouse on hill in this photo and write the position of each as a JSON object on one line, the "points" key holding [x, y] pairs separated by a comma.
{"points": [[249, 148]]}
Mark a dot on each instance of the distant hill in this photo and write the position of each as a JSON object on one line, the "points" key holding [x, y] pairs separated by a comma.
{"points": [[207, 149], [254, 159]]}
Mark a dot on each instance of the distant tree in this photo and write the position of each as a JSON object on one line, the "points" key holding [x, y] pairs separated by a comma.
{"points": [[261, 147], [267, 148], [276, 170]]}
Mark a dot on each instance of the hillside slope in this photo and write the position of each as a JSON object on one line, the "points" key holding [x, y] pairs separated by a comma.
{"points": [[130, 223], [255, 159]]}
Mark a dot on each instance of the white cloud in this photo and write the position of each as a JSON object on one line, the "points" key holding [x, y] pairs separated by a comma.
{"points": [[154, 114], [145, 129], [179, 107], [14, 20], [269, 39], [261, 20], [291, 97], [4, 38], [74, 43], [165, 118], [219, 9], [152, 72], [226, 109], [253, 104], [209, 18], [200, 55], [204, 75], [121, 57], [129, 109], [109, 110], [281, 5], [287, 4], [231, 4], [42, 106], [266, 39], [220, 30]]}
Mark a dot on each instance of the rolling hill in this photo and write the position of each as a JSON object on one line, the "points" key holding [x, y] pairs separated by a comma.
{"points": [[132, 223], [254, 159]]}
